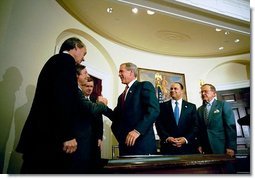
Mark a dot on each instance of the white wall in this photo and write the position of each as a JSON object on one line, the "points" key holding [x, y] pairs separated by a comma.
{"points": [[31, 30]]}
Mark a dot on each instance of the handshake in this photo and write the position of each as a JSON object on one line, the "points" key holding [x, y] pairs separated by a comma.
{"points": [[102, 100]]}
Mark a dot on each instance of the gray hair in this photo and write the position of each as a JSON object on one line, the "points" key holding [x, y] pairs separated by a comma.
{"points": [[131, 67], [212, 88]]}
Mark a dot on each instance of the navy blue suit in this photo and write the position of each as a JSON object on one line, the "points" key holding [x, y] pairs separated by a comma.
{"points": [[167, 127], [140, 112]]}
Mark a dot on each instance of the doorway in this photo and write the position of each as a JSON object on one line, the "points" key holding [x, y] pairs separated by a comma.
{"points": [[240, 101], [97, 90]]}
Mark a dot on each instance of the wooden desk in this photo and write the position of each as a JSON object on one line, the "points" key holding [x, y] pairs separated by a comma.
{"points": [[174, 164]]}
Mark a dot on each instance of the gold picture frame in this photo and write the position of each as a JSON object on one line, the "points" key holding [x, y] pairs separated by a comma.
{"points": [[162, 81]]}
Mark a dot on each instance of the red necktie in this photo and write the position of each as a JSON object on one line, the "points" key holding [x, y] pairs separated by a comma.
{"points": [[123, 96]]}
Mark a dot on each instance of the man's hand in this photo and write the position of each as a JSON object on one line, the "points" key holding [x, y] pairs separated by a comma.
{"points": [[180, 141], [177, 142], [100, 144], [230, 152], [131, 137], [200, 150], [102, 100], [171, 140], [70, 146]]}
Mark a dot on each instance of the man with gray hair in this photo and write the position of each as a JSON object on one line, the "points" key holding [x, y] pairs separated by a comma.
{"points": [[216, 124], [136, 111]]}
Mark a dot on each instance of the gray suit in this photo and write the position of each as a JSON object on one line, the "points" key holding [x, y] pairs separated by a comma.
{"points": [[220, 131]]}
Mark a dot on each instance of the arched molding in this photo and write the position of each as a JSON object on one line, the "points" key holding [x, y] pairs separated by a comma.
{"points": [[245, 62], [233, 85], [238, 61]]}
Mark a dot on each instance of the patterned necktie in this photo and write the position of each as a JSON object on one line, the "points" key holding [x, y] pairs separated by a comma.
{"points": [[206, 112], [123, 96], [176, 112]]}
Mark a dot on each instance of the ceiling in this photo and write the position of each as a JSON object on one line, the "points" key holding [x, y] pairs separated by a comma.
{"points": [[174, 29]]}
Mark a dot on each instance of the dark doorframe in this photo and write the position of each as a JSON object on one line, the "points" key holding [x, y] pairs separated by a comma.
{"points": [[240, 100], [97, 90]]}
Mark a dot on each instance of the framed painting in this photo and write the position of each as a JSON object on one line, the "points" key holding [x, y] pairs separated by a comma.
{"points": [[162, 81]]}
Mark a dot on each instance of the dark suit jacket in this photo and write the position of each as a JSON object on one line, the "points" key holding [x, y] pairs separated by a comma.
{"points": [[167, 127], [56, 108], [97, 133], [140, 112], [220, 132], [97, 123], [87, 128]]}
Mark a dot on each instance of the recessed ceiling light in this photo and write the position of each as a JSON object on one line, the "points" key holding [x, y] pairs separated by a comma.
{"points": [[135, 10], [149, 12], [221, 48], [237, 40], [109, 10], [227, 32], [218, 29]]}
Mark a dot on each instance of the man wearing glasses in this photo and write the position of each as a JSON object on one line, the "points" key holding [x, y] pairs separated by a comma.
{"points": [[216, 124]]}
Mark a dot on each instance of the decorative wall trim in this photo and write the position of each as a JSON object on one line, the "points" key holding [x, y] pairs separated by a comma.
{"points": [[233, 85]]}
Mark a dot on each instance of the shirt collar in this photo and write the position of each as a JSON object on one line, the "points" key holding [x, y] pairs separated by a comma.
{"points": [[131, 83], [211, 102], [179, 101]]}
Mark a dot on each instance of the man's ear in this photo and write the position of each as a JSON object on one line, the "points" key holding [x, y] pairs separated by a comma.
{"points": [[132, 72]]}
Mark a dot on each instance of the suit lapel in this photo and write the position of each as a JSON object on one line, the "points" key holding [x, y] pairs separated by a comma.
{"points": [[183, 111], [213, 108], [131, 91], [171, 109]]}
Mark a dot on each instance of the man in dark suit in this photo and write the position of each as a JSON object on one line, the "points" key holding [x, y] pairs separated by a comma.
{"points": [[135, 113], [49, 137], [83, 160], [216, 124], [96, 129], [176, 124]]}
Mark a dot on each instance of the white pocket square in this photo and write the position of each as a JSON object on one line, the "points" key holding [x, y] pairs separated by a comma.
{"points": [[216, 111]]}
